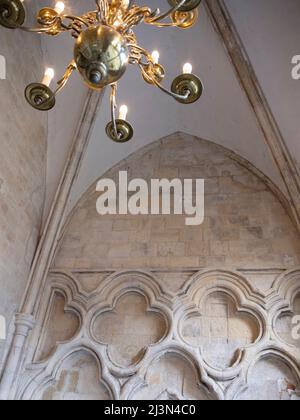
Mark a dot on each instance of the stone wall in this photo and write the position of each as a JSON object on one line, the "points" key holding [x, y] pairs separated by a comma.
{"points": [[147, 308], [22, 169], [245, 224]]}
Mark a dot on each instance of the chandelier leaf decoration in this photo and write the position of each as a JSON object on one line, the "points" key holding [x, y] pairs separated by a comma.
{"points": [[105, 44]]}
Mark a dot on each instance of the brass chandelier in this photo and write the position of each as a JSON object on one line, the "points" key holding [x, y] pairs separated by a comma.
{"points": [[105, 44]]}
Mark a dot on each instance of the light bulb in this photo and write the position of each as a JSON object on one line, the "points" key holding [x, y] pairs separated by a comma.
{"points": [[187, 68], [59, 7], [48, 77], [123, 112], [155, 57]]}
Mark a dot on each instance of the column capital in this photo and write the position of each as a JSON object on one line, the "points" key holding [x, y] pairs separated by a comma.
{"points": [[25, 320]]}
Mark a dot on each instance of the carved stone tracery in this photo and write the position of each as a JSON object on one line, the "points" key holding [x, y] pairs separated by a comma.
{"points": [[168, 344]]}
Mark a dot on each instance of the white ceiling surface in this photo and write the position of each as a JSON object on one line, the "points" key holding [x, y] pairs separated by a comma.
{"points": [[223, 114], [271, 43]]}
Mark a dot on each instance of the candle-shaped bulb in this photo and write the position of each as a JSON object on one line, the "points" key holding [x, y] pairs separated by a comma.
{"points": [[59, 7], [187, 68], [123, 112], [155, 57], [48, 77]]}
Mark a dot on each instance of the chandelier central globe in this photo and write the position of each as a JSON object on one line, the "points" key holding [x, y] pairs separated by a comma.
{"points": [[101, 55]]}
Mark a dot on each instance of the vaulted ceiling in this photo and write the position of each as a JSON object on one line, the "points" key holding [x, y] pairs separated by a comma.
{"points": [[270, 32]]}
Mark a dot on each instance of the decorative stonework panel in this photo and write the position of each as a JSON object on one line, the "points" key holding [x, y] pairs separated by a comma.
{"points": [[221, 331], [171, 378], [272, 379], [212, 339], [60, 326], [129, 329], [78, 380]]}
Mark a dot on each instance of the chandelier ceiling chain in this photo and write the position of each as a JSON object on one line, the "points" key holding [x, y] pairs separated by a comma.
{"points": [[105, 44]]}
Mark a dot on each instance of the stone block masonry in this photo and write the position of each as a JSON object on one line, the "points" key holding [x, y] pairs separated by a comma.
{"points": [[23, 135]]}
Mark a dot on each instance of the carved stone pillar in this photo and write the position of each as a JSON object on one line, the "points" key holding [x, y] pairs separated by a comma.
{"points": [[24, 324]]}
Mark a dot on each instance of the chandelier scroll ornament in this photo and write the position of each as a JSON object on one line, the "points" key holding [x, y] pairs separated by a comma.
{"points": [[105, 44]]}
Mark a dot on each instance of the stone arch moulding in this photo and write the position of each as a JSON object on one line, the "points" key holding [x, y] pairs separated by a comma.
{"points": [[139, 280], [59, 314], [139, 381], [191, 302], [285, 287], [232, 281], [242, 382], [49, 373], [75, 302]]}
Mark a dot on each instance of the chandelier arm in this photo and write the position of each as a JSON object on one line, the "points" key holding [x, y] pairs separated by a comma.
{"points": [[162, 88], [164, 25], [106, 10], [141, 51], [99, 9], [113, 107], [62, 82], [152, 19], [182, 20], [135, 16], [134, 21], [102, 10], [57, 26], [45, 95], [76, 29], [37, 30], [77, 19]]}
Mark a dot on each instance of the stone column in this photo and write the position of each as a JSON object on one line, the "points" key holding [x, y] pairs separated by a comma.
{"points": [[24, 324]]}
